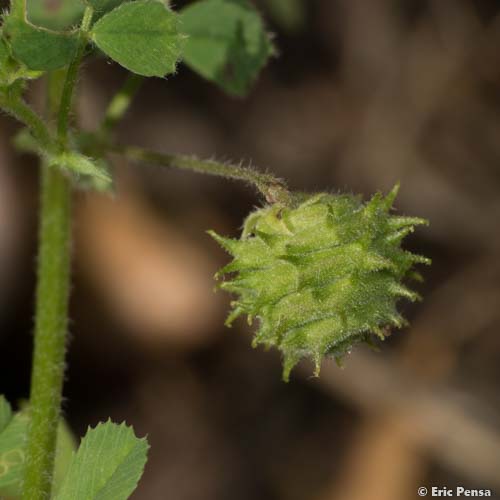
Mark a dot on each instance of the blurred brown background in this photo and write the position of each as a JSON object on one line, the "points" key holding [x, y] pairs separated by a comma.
{"points": [[363, 94]]}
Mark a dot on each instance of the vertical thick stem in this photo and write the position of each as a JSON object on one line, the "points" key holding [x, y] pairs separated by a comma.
{"points": [[52, 295], [50, 332]]}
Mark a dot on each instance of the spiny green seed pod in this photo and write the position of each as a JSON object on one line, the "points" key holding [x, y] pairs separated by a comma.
{"points": [[322, 274]]}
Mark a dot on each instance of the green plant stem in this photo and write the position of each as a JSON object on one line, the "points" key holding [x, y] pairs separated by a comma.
{"points": [[71, 78], [273, 189], [50, 332], [119, 104], [52, 298]]}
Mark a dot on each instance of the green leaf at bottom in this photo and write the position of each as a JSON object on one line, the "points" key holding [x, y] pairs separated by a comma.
{"points": [[13, 438], [107, 466]]}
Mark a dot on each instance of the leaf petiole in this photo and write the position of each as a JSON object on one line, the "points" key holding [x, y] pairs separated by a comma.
{"points": [[272, 188], [71, 77]]}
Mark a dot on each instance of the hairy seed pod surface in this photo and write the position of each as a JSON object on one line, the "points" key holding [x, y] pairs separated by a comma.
{"points": [[322, 274]]}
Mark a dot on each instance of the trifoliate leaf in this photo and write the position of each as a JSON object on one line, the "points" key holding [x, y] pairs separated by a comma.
{"points": [[227, 42], [321, 275], [5, 413], [38, 48], [142, 36], [12, 454], [107, 466], [60, 15]]}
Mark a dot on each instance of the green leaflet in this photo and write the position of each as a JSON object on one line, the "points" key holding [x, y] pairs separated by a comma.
{"points": [[227, 43], [322, 275], [38, 48], [107, 466], [142, 36]]}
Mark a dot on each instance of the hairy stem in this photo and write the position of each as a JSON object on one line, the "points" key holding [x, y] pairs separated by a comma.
{"points": [[71, 78], [273, 189], [52, 298], [50, 332], [120, 103]]}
